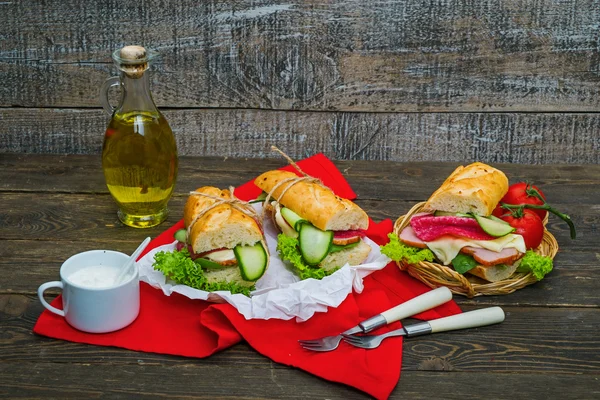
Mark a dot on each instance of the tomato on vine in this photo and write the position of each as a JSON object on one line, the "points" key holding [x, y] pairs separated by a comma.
{"points": [[527, 224], [523, 198], [524, 193]]}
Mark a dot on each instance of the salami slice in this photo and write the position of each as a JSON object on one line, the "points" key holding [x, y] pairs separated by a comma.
{"points": [[429, 227], [349, 234], [342, 238]]}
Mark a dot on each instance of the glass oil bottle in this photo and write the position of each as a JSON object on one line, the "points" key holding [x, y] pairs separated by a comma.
{"points": [[139, 153]]}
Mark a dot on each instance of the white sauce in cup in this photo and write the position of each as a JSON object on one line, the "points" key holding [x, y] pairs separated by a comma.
{"points": [[96, 276]]}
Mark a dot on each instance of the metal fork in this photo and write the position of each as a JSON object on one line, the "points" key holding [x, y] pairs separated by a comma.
{"points": [[471, 319], [411, 307]]}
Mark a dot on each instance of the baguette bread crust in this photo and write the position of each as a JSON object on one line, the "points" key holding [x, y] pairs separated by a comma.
{"points": [[476, 188], [315, 203], [495, 273], [221, 227], [353, 256], [227, 274]]}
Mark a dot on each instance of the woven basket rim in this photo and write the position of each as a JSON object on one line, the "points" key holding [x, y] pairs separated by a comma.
{"points": [[435, 275]]}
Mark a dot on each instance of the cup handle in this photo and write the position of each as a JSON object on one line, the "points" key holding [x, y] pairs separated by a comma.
{"points": [[110, 82], [42, 289]]}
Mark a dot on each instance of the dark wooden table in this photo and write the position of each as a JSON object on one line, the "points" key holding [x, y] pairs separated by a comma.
{"points": [[54, 206]]}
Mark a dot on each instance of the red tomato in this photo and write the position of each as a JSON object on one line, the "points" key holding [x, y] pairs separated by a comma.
{"points": [[517, 194], [499, 211], [529, 225]]}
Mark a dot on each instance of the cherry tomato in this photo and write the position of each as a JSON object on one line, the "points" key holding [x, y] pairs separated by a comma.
{"points": [[518, 194], [529, 225]]}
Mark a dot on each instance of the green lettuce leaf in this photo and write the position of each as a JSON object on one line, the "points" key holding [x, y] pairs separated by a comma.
{"points": [[399, 251], [535, 263], [288, 248], [178, 266], [336, 247], [463, 263]]}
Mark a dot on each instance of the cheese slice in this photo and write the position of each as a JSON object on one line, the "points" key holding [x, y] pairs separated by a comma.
{"points": [[221, 255], [446, 248]]}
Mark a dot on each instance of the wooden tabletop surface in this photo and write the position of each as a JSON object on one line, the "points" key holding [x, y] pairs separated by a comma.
{"points": [[54, 206]]}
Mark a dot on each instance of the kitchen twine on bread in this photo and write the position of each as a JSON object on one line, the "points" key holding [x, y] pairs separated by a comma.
{"points": [[234, 202], [290, 181]]}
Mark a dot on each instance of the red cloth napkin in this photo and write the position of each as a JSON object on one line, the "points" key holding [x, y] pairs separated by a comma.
{"points": [[194, 328]]}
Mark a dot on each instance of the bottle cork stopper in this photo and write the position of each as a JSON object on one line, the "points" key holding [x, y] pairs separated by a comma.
{"points": [[133, 53], [134, 61]]}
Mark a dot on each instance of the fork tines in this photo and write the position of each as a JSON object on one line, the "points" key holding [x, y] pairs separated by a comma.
{"points": [[354, 340]]}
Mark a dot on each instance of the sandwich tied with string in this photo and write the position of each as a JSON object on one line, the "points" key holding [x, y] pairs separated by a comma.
{"points": [[291, 181], [240, 205], [321, 232], [226, 248]]}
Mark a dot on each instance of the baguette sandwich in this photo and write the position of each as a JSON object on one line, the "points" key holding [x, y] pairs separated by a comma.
{"points": [[223, 245], [458, 227], [321, 232]]}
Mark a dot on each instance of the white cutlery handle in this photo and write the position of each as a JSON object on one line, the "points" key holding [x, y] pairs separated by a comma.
{"points": [[471, 319], [419, 304]]}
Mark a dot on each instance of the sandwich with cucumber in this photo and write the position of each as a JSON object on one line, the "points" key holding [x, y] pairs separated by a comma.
{"points": [[222, 247], [320, 232], [456, 224]]}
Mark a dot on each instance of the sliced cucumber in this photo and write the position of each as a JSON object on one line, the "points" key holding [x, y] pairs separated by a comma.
{"points": [[336, 247], [494, 228], [494, 218], [292, 218], [181, 235], [283, 224], [252, 261], [314, 243], [261, 197], [207, 264], [439, 213]]}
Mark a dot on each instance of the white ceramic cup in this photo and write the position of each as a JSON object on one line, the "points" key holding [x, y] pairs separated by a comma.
{"points": [[96, 309]]}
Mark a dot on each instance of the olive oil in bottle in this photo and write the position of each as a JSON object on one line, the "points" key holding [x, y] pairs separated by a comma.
{"points": [[139, 154]]}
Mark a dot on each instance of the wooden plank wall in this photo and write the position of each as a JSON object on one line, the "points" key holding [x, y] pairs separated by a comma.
{"points": [[451, 80]]}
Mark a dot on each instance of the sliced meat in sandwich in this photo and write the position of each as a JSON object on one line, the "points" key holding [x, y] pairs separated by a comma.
{"points": [[457, 226], [224, 240], [321, 232]]}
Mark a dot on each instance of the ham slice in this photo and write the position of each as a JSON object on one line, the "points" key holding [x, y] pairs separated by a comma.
{"points": [[490, 258], [482, 256], [409, 237], [429, 227]]}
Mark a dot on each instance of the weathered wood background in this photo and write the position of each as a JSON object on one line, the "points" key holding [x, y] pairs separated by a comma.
{"points": [[494, 80]]}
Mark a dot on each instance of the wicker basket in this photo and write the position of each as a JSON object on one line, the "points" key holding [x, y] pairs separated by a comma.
{"points": [[435, 275]]}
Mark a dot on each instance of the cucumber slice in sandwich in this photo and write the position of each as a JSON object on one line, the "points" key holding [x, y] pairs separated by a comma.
{"points": [[252, 261], [282, 223], [181, 235], [314, 243], [494, 218], [494, 228], [439, 213], [292, 218], [261, 197]]}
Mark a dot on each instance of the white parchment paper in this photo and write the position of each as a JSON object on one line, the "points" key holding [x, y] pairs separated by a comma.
{"points": [[279, 293]]}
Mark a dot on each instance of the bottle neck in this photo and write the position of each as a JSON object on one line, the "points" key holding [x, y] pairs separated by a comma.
{"points": [[136, 95]]}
